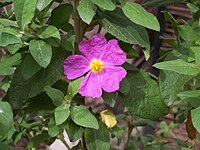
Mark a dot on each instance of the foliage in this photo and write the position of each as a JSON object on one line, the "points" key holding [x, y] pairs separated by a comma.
{"points": [[40, 103]]}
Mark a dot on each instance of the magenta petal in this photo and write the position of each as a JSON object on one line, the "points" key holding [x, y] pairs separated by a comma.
{"points": [[75, 66], [90, 86], [113, 54], [111, 77], [94, 47]]}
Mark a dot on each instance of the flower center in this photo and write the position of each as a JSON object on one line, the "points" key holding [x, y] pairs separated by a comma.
{"points": [[96, 66]]}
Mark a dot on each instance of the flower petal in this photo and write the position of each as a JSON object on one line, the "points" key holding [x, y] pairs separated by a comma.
{"points": [[75, 66], [111, 77], [113, 54], [94, 47], [90, 86]]}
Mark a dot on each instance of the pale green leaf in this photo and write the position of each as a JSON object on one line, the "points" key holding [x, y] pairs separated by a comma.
{"points": [[6, 118], [136, 13], [86, 10], [179, 66], [83, 117], [105, 4], [61, 114], [195, 113], [56, 95], [24, 11], [41, 52]]}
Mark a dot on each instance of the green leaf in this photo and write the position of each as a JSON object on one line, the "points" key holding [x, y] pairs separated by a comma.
{"points": [[86, 10], [191, 96], [7, 23], [144, 98], [6, 118], [196, 52], [13, 48], [97, 139], [24, 11], [172, 83], [117, 24], [21, 90], [61, 114], [83, 117], [136, 13], [195, 118], [51, 35], [9, 61], [179, 66], [41, 52], [42, 4], [53, 130], [56, 95], [74, 131], [105, 4], [187, 33], [60, 15], [73, 87], [9, 36], [29, 67]]}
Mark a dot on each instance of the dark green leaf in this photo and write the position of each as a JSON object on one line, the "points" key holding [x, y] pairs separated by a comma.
{"points": [[41, 52], [29, 67], [86, 10], [21, 90], [6, 118], [136, 13], [60, 15], [38, 139], [24, 11], [39, 105], [109, 98], [158, 3], [144, 98], [83, 117], [97, 139], [5, 147], [124, 86], [56, 95], [61, 114]]}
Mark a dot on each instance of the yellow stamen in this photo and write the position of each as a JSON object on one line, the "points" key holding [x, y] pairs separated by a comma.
{"points": [[96, 66]]}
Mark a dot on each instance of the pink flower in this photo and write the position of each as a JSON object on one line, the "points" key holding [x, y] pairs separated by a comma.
{"points": [[102, 61]]}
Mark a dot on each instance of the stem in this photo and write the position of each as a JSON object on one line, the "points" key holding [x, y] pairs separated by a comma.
{"points": [[77, 24], [61, 137], [130, 128]]}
